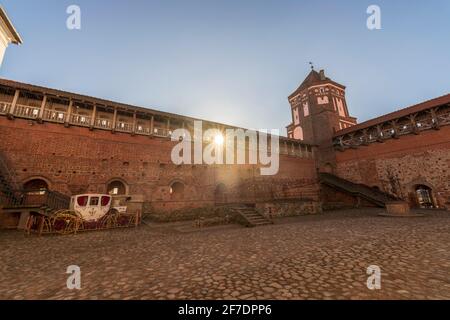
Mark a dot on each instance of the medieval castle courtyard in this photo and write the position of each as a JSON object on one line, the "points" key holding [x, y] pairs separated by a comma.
{"points": [[311, 257]]}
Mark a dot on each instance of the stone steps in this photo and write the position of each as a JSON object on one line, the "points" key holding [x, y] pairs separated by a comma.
{"points": [[252, 217]]}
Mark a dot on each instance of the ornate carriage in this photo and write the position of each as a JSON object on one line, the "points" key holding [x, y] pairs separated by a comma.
{"points": [[86, 212]]}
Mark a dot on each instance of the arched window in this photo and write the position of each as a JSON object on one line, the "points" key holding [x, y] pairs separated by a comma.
{"points": [[35, 186], [424, 196], [177, 190], [116, 188]]}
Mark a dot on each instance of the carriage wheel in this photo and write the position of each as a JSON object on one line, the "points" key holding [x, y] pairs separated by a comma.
{"points": [[66, 222], [48, 225], [110, 219]]}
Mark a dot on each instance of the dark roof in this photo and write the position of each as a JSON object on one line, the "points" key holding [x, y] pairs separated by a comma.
{"points": [[439, 101], [314, 78]]}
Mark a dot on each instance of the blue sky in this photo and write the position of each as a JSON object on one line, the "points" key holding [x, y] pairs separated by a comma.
{"points": [[234, 61]]}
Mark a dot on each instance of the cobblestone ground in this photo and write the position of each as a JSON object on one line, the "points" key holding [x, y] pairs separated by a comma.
{"points": [[314, 257]]}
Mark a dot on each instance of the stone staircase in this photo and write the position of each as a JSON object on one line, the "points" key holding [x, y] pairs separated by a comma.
{"points": [[251, 217], [372, 195]]}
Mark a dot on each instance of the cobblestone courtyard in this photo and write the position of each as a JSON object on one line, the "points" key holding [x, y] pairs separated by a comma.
{"points": [[312, 257]]}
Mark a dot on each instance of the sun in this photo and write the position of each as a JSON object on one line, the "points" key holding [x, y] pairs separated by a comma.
{"points": [[218, 139]]}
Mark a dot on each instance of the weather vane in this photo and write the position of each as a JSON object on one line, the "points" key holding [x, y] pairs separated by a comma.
{"points": [[312, 66]]}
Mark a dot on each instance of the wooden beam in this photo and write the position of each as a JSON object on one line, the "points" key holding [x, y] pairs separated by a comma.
{"points": [[435, 119], [93, 115], [152, 125], [134, 123], [113, 129], [13, 104], [69, 113], [42, 110]]}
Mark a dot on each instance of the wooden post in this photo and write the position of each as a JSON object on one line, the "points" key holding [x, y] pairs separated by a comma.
{"points": [[394, 127], [380, 134], [152, 123], [365, 137], [14, 102], [94, 115], [412, 120], [69, 113], [113, 129], [134, 123], [434, 119], [41, 111]]}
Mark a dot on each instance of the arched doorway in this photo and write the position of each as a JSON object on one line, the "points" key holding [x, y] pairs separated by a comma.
{"points": [[176, 191], [424, 196], [35, 186], [220, 194], [116, 188], [327, 168]]}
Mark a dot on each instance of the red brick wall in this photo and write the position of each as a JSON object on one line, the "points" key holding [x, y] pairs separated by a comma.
{"points": [[76, 160], [401, 164]]}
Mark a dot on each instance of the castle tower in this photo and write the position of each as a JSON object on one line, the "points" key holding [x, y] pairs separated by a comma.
{"points": [[319, 109], [8, 33]]}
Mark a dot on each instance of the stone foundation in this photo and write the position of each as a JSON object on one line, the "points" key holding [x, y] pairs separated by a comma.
{"points": [[279, 209], [398, 208]]}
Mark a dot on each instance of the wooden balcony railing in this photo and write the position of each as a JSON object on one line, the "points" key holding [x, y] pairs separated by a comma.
{"points": [[4, 107], [57, 116], [161, 132], [26, 111], [143, 130], [124, 126], [414, 123], [80, 120], [103, 124]]}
